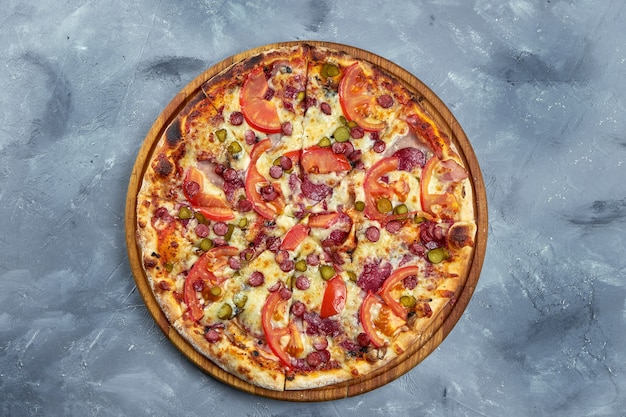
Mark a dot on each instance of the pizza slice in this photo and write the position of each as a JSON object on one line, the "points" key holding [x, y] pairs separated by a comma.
{"points": [[166, 249], [322, 311], [351, 104], [192, 166], [347, 329], [328, 155], [225, 299], [263, 97], [164, 174], [316, 356], [262, 103]]}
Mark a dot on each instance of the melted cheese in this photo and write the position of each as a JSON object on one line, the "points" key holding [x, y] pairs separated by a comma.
{"points": [[250, 316], [318, 125]]}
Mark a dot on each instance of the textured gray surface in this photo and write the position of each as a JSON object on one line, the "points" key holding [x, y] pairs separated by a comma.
{"points": [[539, 88]]}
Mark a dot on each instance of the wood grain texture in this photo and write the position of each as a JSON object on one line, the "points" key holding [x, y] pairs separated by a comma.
{"points": [[433, 335]]}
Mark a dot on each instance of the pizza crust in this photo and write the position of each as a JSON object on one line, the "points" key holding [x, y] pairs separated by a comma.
{"points": [[234, 354]]}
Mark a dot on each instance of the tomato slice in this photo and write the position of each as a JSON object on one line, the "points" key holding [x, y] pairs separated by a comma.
{"points": [[356, 98], [217, 258], [391, 281], [324, 220], [374, 190], [367, 320], [259, 205], [191, 299], [254, 179], [317, 160], [448, 206], [334, 299], [219, 214], [380, 168], [211, 206], [193, 191], [202, 272], [260, 113], [295, 236], [274, 335], [214, 208], [259, 149], [294, 155]]}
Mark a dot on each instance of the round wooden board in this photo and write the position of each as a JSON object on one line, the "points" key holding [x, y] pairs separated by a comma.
{"points": [[433, 335]]}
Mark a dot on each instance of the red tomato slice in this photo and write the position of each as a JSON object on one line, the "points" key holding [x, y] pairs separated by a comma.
{"points": [[262, 207], [334, 299], [273, 335], [217, 258], [317, 160], [219, 214], [356, 100], [294, 155], [259, 149], [193, 176], [391, 281], [190, 297], [323, 219], [202, 272], [295, 236], [260, 113], [374, 190], [447, 203], [367, 320], [380, 168], [211, 206], [267, 209]]}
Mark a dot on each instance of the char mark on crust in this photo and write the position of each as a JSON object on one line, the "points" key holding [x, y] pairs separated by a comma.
{"points": [[460, 236], [173, 134], [149, 263], [253, 62], [322, 54], [192, 102]]}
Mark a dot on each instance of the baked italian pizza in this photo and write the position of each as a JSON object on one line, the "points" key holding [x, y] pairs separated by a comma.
{"points": [[302, 218]]}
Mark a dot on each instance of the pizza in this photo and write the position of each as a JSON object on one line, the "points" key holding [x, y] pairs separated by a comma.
{"points": [[302, 220]]}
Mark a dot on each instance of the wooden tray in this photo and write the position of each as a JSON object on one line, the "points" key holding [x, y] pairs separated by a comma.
{"points": [[434, 335]]}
